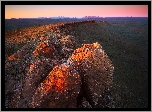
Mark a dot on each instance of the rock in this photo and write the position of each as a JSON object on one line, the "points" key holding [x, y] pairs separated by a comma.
{"points": [[37, 73], [57, 75], [59, 90], [46, 49], [95, 69]]}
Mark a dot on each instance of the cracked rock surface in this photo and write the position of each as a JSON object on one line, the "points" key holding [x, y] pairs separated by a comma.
{"points": [[52, 72]]}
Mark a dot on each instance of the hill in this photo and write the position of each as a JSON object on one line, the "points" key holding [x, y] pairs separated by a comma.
{"points": [[50, 45]]}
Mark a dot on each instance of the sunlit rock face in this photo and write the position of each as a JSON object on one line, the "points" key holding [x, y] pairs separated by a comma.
{"points": [[77, 83], [46, 49], [58, 75], [60, 89], [38, 71], [95, 69]]}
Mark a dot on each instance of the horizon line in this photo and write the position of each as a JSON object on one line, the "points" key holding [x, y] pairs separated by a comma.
{"points": [[74, 17]]}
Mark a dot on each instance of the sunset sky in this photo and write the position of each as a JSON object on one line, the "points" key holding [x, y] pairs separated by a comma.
{"points": [[34, 11]]}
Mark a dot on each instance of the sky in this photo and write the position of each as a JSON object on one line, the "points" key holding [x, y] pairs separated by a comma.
{"points": [[34, 11]]}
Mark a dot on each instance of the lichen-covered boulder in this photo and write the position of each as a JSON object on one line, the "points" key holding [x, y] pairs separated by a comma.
{"points": [[54, 74], [95, 69], [60, 89], [38, 71]]}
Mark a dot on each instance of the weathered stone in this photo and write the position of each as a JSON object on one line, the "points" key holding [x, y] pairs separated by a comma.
{"points": [[59, 90], [95, 69], [62, 77]]}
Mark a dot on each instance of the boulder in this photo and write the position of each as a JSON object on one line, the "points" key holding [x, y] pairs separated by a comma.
{"points": [[95, 69], [60, 89]]}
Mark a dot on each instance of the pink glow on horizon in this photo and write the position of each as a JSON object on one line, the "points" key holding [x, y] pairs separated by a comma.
{"points": [[34, 11]]}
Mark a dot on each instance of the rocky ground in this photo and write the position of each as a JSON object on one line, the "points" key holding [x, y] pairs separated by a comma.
{"points": [[51, 69], [34, 56]]}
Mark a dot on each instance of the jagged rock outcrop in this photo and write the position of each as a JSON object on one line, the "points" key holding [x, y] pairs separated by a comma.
{"points": [[36, 74], [60, 76], [95, 69], [60, 89], [92, 74]]}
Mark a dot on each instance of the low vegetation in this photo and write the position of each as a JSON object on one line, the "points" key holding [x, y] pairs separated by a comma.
{"points": [[126, 45]]}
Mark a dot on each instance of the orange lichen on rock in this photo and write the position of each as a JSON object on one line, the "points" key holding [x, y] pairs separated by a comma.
{"points": [[57, 79], [92, 54], [13, 57], [62, 84], [84, 52], [42, 45], [92, 62], [46, 50], [35, 53], [42, 48], [31, 67], [43, 38], [96, 45]]}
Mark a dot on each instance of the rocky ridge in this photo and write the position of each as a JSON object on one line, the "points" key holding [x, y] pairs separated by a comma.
{"points": [[49, 71]]}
